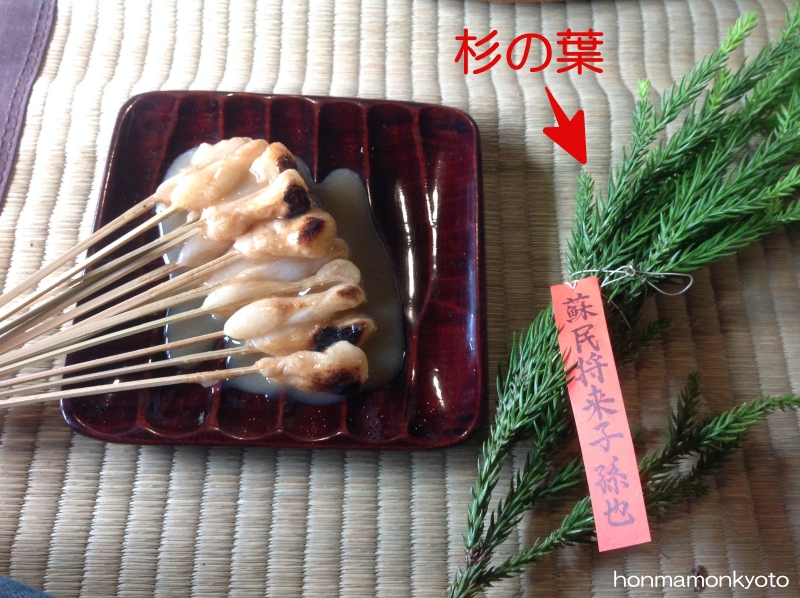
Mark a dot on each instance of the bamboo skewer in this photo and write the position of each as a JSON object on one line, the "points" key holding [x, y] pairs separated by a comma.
{"points": [[93, 282], [134, 314], [133, 213], [84, 329], [68, 369], [155, 248], [199, 377], [43, 303], [105, 251], [69, 341], [75, 333], [186, 278], [132, 369], [57, 349], [21, 338], [182, 280], [145, 254]]}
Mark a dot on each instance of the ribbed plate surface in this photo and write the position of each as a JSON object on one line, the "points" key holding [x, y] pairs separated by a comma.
{"points": [[421, 166]]}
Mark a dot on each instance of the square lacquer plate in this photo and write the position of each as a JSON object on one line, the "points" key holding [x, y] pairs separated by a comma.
{"points": [[421, 166]]}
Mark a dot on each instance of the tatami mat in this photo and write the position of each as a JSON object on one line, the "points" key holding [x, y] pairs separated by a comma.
{"points": [[78, 517]]}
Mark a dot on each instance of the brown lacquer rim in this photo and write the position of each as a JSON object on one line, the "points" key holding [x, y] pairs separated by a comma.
{"points": [[140, 432]]}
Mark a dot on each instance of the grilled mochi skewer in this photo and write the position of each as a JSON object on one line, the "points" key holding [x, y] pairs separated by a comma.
{"points": [[276, 233], [275, 223], [278, 268], [282, 197], [286, 197], [310, 235], [222, 158], [310, 335], [341, 369], [312, 321], [278, 317], [206, 182], [353, 327], [222, 165], [248, 287], [275, 193]]}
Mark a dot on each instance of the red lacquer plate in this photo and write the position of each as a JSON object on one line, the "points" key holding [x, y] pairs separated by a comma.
{"points": [[421, 165]]}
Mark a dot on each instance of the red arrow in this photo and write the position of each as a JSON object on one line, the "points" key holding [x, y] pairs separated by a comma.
{"points": [[570, 133]]}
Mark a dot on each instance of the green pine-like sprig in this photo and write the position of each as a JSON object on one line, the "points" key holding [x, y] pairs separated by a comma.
{"points": [[706, 443], [723, 179]]}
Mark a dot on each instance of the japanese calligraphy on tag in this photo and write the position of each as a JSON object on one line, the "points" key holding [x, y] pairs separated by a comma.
{"points": [[603, 431]]}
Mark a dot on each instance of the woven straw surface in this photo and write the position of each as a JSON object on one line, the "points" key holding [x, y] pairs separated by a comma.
{"points": [[78, 517]]}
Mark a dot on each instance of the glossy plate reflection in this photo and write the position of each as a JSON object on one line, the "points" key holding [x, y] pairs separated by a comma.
{"points": [[421, 165]]}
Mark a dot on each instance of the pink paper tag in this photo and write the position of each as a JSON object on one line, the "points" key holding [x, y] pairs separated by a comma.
{"points": [[605, 436]]}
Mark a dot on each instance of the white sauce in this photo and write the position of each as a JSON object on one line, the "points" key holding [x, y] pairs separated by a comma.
{"points": [[344, 196]]}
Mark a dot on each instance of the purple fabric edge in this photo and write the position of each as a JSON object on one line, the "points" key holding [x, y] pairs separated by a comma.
{"points": [[13, 105]]}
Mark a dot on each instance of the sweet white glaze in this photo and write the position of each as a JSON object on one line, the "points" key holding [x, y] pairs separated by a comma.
{"points": [[344, 196]]}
